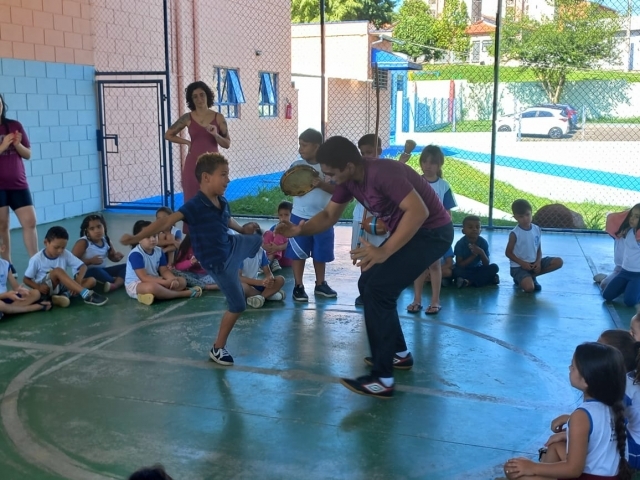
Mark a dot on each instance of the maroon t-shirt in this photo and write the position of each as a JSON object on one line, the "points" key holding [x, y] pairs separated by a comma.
{"points": [[12, 174], [386, 184]]}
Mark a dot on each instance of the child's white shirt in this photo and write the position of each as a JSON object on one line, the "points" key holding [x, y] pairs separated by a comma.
{"points": [[527, 244], [40, 265], [94, 250], [5, 271], [631, 256], [138, 259]]}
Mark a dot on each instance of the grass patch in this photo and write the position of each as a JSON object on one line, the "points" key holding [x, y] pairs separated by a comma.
{"points": [[631, 120], [467, 126], [464, 179], [484, 74]]}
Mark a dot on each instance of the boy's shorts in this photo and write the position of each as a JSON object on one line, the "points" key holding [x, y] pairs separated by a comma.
{"points": [[318, 246], [227, 274], [57, 290], [519, 273], [132, 289]]}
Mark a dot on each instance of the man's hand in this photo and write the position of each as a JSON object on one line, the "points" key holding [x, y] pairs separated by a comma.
{"points": [[288, 229], [368, 255], [127, 239]]}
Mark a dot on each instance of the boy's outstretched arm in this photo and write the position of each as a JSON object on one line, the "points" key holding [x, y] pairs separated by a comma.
{"points": [[156, 227]]}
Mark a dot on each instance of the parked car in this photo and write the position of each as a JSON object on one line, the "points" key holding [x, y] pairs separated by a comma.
{"points": [[568, 110], [536, 121]]}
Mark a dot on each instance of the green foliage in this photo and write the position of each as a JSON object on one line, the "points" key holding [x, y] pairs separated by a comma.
{"points": [[484, 74], [581, 35], [416, 26], [450, 27], [377, 12]]}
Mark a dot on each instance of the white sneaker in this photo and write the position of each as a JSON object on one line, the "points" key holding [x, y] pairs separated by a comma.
{"points": [[107, 287], [256, 301], [277, 297], [275, 265]]}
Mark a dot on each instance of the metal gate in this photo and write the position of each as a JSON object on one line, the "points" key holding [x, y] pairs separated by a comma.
{"points": [[135, 171]]}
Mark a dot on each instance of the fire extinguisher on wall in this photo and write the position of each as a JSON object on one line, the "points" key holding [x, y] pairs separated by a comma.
{"points": [[288, 110]]}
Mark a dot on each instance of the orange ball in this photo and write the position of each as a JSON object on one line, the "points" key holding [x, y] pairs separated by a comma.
{"points": [[374, 226]]}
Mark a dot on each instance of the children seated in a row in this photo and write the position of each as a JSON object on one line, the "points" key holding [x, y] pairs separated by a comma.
{"points": [[94, 248], [148, 277], [169, 241], [275, 244], [627, 281], [524, 250], [47, 272], [257, 290], [13, 297]]}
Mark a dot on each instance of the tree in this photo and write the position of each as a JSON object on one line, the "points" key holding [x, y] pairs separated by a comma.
{"points": [[416, 29], [451, 27], [581, 35], [377, 12]]}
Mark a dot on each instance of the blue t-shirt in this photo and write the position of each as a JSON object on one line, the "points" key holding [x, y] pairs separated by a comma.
{"points": [[463, 251], [208, 229]]}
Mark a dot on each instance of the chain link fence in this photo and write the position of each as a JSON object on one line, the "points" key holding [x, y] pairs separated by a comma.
{"points": [[565, 104]]}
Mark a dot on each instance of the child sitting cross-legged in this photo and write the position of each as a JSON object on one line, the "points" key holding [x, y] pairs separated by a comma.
{"points": [[472, 257], [148, 276], [257, 290], [47, 272], [275, 244]]}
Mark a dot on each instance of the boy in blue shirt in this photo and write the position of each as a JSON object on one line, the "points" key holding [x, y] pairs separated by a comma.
{"points": [[219, 252], [472, 257]]}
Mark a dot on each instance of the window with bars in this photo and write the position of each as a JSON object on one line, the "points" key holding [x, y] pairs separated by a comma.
{"points": [[382, 79], [268, 95], [228, 91]]}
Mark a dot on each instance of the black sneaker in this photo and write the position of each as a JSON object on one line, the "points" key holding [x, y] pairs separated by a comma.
{"points": [[325, 290], [221, 356], [399, 363], [95, 299], [368, 385], [462, 282], [536, 286], [299, 295], [359, 302]]}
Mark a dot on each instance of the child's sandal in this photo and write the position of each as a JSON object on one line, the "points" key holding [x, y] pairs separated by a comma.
{"points": [[45, 306], [195, 292]]}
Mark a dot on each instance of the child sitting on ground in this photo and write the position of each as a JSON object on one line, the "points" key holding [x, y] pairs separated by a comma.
{"points": [[446, 266], [472, 257], [188, 267], [274, 243], [47, 273], [148, 276], [18, 299], [169, 242], [524, 249], [94, 248], [257, 291]]}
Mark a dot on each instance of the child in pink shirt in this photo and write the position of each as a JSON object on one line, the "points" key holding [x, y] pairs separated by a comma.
{"points": [[188, 267], [275, 244]]}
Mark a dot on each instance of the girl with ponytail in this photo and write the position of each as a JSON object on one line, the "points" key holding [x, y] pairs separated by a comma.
{"points": [[593, 444]]}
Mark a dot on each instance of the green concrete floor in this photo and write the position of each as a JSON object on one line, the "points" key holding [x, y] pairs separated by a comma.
{"points": [[94, 393]]}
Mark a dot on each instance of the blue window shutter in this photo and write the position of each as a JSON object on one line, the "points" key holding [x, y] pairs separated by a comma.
{"points": [[264, 98], [270, 89], [237, 88]]}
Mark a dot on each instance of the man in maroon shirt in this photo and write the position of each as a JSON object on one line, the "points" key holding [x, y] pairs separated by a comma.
{"points": [[420, 233]]}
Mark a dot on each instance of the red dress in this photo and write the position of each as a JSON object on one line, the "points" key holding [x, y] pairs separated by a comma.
{"points": [[201, 142]]}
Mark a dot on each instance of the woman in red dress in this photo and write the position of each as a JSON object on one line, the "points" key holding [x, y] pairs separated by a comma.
{"points": [[207, 130], [14, 189]]}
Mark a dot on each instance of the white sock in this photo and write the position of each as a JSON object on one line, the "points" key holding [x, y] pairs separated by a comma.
{"points": [[387, 382], [402, 354]]}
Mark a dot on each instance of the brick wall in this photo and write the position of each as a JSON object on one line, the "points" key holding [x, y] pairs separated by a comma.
{"points": [[56, 104]]}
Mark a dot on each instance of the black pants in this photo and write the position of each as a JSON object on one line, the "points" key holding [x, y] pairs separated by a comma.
{"points": [[381, 286], [478, 276]]}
